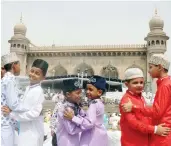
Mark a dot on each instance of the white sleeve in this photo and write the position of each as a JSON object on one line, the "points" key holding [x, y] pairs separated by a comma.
{"points": [[11, 95], [32, 114]]}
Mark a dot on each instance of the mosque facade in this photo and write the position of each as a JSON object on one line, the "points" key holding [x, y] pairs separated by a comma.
{"points": [[107, 60]]}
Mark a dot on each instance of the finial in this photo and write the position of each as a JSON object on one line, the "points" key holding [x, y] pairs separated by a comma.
{"points": [[21, 18], [156, 11]]}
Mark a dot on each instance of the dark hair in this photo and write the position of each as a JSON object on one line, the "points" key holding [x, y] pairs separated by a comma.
{"points": [[127, 80], [165, 70], [8, 67]]}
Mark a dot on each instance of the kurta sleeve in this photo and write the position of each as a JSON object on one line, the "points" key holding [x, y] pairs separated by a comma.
{"points": [[89, 120], [133, 122], [159, 106], [70, 127], [12, 97], [32, 114]]}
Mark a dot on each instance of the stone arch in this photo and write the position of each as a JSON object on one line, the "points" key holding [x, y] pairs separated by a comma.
{"points": [[18, 45], [162, 42], [152, 42], [85, 68], [157, 42], [109, 71], [22, 46], [59, 70]]}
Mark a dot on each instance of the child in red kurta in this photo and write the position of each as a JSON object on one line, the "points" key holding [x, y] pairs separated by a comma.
{"points": [[135, 127], [161, 109]]}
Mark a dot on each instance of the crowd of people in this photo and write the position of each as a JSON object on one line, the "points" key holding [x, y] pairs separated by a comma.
{"points": [[72, 125]]}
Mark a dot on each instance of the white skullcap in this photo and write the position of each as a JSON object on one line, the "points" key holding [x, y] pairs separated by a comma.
{"points": [[132, 73], [9, 58], [157, 59]]}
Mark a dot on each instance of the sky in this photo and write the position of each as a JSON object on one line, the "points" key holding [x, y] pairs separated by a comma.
{"points": [[83, 23]]}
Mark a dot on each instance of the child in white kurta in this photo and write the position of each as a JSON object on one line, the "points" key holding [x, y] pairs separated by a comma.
{"points": [[31, 122]]}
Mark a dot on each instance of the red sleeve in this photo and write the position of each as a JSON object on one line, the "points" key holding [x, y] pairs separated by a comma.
{"points": [[159, 106], [133, 122]]}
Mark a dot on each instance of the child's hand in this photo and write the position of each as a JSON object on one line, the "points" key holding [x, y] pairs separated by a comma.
{"points": [[162, 130], [6, 110], [127, 107], [68, 114]]}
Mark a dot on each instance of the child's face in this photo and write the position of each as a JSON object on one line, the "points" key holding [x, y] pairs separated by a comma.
{"points": [[74, 96], [92, 92], [35, 75], [2, 72], [16, 68], [154, 70], [135, 85]]}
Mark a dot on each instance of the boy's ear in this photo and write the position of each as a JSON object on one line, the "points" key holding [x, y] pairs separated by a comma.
{"points": [[126, 83], [100, 92]]}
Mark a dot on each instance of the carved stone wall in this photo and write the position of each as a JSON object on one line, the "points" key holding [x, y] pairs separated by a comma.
{"points": [[121, 62]]}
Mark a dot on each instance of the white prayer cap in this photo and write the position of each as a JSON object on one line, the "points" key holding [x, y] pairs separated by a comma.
{"points": [[132, 73], [157, 59], [9, 58]]}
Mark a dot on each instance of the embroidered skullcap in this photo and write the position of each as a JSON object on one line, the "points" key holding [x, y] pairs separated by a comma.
{"points": [[132, 73], [9, 58], [161, 59]]}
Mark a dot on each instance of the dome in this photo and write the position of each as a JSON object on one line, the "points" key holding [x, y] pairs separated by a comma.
{"points": [[18, 37], [20, 28], [156, 22]]}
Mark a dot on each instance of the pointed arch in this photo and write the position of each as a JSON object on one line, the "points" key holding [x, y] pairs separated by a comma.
{"points": [[109, 71], [85, 68], [59, 70]]}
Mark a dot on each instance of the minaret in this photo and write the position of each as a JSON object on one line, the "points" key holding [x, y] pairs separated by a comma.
{"points": [[156, 40], [20, 44]]}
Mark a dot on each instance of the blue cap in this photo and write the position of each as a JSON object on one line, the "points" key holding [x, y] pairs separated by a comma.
{"points": [[98, 81], [71, 85]]}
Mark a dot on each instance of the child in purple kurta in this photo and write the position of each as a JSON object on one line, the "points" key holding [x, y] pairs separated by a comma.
{"points": [[67, 131], [93, 130]]}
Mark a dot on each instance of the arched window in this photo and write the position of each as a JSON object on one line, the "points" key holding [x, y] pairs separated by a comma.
{"points": [[149, 43], [59, 70], [25, 47], [22, 46], [18, 45], [109, 71], [162, 42], [85, 68], [14, 45], [153, 43], [157, 42]]}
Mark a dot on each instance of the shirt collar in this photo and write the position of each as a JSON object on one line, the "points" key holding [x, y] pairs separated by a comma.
{"points": [[133, 94], [160, 80], [69, 103], [8, 74]]}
